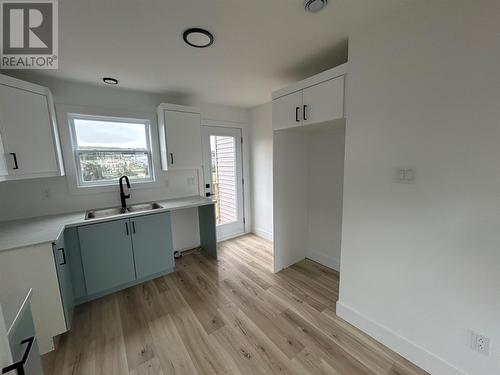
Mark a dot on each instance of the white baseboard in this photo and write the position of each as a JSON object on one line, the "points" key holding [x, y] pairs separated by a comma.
{"points": [[230, 236], [263, 233], [325, 260], [411, 351]]}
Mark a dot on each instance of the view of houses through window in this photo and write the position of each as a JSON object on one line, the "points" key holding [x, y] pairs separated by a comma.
{"points": [[108, 148]]}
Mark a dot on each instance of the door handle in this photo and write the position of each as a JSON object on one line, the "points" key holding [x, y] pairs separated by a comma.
{"points": [[171, 158], [126, 228], [64, 256], [297, 114], [304, 115], [16, 166], [209, 194], [19, 366], [133, 227]]}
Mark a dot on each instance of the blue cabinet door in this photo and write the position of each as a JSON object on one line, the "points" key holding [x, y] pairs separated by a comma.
{"points": [[106, 250], [152, 243], [61, 258]]}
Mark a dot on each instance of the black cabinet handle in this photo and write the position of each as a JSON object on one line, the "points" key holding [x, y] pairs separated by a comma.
{"points": [[133, 227], [16, 166], [304, 114], [64, 256], [19, 366], [297, 114], [126, 228], [171, 158]]}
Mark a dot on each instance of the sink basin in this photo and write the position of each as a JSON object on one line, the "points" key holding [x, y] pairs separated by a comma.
{"points": [[143, 207], [104, 212], [107, 212]]}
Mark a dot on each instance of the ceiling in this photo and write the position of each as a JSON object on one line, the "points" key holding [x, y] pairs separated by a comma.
{"points": [[260, 45]]}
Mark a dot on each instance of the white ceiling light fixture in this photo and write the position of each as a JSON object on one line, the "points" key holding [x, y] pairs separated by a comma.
{"points": [[198, 38], [314, 6]]}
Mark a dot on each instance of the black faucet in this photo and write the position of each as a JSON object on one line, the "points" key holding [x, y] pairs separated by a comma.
{"points": [[124, 196]]}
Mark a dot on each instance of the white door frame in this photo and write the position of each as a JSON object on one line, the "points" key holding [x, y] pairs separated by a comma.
{"points": [[225, 231]]}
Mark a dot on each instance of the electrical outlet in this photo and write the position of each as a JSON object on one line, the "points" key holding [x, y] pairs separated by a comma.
{"points": [[45, 194], [480, 343]]}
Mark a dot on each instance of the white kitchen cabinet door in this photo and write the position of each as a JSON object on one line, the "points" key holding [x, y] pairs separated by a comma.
{"points": [[3, 163], [27, 133], [182, 131], [287, 111], [323, 102]]}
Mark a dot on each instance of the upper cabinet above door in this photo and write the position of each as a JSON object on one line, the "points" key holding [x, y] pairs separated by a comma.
{"points": [[314, 100], [180, 137], [323, 102], [287, 111], [28, 131]]}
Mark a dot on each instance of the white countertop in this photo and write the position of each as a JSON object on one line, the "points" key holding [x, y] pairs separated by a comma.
{"points": [[43, 229]]}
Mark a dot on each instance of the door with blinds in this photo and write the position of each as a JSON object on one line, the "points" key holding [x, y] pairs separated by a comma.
{"points": [[222, 166]]}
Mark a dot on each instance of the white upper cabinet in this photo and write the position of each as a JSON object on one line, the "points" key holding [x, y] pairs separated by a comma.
{"points": [[314, 100], [180, 137], [28, 131], [287, 111], [323, 102]]}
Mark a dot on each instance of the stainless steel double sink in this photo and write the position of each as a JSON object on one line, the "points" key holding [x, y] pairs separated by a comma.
{"points": [[114, 211]]}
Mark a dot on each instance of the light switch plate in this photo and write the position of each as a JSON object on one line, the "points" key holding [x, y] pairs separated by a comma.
{"points": [[405, 175]]}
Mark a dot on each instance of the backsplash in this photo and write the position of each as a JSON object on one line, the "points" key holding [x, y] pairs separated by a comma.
{"points": [[48, 196]]}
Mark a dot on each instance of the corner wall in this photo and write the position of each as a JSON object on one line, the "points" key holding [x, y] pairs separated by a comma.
{"points": [[420, 262], [261, 170], [325, 157]]}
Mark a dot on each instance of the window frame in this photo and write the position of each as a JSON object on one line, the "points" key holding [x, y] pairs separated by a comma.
{"points": [[76, 152]]}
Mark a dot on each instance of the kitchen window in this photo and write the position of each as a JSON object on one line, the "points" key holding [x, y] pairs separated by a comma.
{"points": [[106, 148]]}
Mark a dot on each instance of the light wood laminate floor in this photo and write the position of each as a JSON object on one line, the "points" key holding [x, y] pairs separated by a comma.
{"points": [[231, 316]]}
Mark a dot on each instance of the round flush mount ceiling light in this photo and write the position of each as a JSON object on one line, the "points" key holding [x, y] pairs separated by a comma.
{"points": [[314, 6], [198, 38], [110, 80]]}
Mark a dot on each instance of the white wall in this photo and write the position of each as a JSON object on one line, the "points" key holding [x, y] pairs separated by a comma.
{"points": [[25, 198], [308, 182], [325, 157], [420, 262], [261, 170], [290, 197]]}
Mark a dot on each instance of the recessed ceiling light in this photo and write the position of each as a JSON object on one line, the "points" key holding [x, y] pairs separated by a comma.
{"points": [[198, 38], [110, 80], [314, 6]]}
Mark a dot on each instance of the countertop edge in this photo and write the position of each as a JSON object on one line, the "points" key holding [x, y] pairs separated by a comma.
{"points": [[82, 222]]}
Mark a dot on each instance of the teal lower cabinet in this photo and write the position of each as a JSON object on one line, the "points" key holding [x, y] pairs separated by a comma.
{"points": [[120, 253], [64, 277], [152, 244], [107, 256]]}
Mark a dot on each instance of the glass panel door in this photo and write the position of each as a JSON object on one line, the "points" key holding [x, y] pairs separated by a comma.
{"points": [[223, 178]]}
